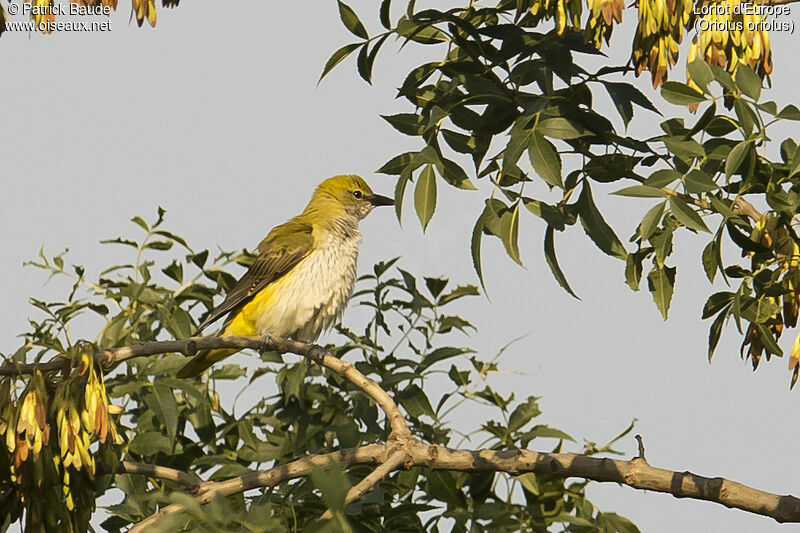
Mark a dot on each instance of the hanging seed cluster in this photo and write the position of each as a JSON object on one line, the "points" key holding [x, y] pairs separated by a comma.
{"points": [[731, 36], [660, 32], [52, 433], [779, 275]]}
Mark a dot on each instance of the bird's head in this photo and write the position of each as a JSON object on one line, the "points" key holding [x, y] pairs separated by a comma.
{"points": [[347, 195]]}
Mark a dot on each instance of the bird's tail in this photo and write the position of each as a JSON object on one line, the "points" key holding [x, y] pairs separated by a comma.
{"points": [[204, 359]]}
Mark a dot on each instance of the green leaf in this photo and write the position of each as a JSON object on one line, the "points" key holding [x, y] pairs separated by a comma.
{"points": [[661, 283], [400, 191], [640, 191], [651, 219], [475, 244], [529, 483], [686, 149], [463, 144], [705, 119], [715, 331], [523, 414], [794, 164], [722, 77], [509, 232], [710, 263], [545, 211], [716, 303], [596, 227], [736, 157], [633, 269], [700, 73], [748, 81], [747, 117], [768, 340], [229, 371], [744, 241], [681, 94], [790, 112], [337, 57], [721, 126], [559, 128], [151, 443], [425, 195], [686, 215], [408, 123], [697, 181], [458, 292], [384, 14], [415, 402], [163, 404], [545, 161], [608, 168], [662, 178], [442, 486], [546, 432], [397, 164], [139, 221], [628, 91], [552, 261], [440, 354], [623, 95], [351, 21], [333, 483]]}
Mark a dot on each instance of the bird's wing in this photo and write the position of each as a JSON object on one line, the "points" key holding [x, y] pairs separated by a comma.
{"points": [[281, 250]]}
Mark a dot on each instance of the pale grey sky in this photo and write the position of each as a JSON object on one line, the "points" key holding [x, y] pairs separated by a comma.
{"points": [[215, 115]]}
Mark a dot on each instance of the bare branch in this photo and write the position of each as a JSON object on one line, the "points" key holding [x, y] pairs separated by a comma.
{"points": [[635, 473], [192, 482], [107, 358]]}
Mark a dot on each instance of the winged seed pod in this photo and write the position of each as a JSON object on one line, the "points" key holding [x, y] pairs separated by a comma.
{"points": [[602, 16], [565, 13], [145, 9], [42, 15], [727, 39], [32, 428], [660, 31]]}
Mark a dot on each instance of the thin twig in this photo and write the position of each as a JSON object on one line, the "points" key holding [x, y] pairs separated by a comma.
{"points": [[640, 443], [391, 464]]}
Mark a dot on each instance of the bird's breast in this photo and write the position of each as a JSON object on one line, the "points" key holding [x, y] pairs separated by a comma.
{"points": [[311, 297]]}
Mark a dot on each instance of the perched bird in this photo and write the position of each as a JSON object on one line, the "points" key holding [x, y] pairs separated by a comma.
{"points": [[304, 274]]}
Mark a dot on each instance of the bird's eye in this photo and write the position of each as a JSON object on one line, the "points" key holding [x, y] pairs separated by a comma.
{"points": [[358, 194]]}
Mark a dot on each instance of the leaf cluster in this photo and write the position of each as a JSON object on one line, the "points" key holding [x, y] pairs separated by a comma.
{"points": [[510, 113], [207, 427]]}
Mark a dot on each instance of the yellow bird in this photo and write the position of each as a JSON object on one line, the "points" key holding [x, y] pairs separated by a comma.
{"points": [[304, 274]]}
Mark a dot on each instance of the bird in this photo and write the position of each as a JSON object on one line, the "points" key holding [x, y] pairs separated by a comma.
{"points": [[304, 273]]}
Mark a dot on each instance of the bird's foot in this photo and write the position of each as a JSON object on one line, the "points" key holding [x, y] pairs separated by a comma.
{"points": [[316, 354], [268, 343]]}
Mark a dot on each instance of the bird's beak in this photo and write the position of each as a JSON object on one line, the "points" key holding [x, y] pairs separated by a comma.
{"points": [[377, 199]]}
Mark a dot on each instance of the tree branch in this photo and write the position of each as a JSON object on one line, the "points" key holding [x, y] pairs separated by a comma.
{"points": [[192, 482], [405, 451], [636, 473], [108, 358]]}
